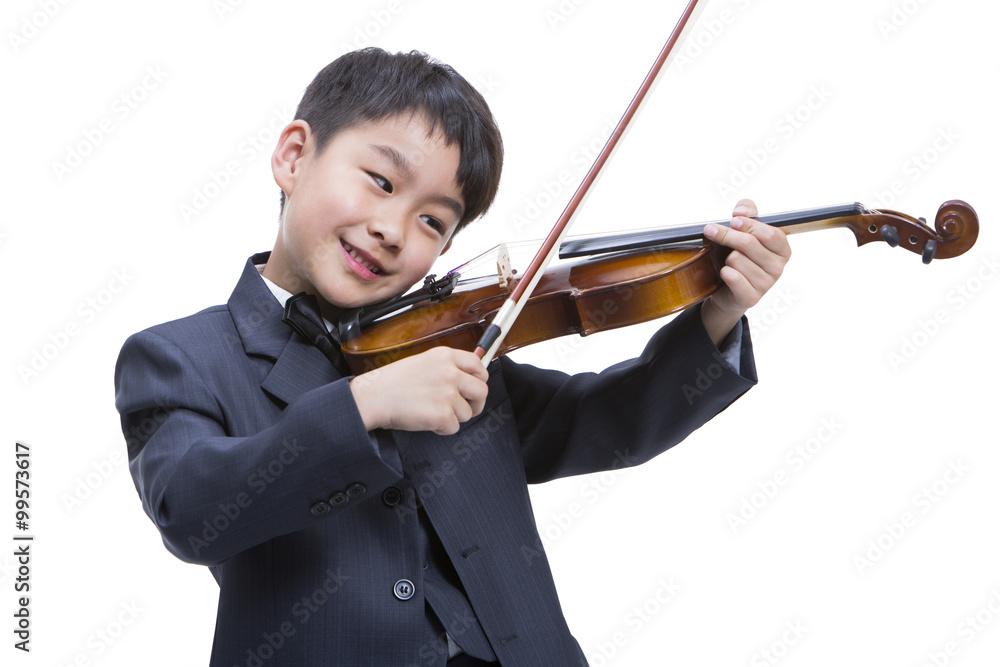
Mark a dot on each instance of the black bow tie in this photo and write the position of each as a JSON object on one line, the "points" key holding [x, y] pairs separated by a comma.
{"points": [[302, 314]]}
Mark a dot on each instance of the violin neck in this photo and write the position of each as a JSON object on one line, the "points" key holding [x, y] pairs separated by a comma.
{"points": [[791, 222]]}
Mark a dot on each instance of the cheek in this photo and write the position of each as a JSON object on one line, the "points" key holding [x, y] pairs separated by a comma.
{"points": [[333, 200], [423, 258], [342, 207], [319, 225], [322, 258]]}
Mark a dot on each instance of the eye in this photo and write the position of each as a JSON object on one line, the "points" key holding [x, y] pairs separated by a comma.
{"points": [[381, 181], [434, 223]]}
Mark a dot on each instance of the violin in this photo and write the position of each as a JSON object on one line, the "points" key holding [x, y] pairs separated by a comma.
{"points": [[615, 281], [611, 281]]}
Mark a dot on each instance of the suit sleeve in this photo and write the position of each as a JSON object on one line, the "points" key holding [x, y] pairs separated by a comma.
{"points": [[630, 412], [212, 495]]}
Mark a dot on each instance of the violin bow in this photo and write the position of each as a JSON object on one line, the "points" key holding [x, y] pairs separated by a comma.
{"points": [[494, 335]]}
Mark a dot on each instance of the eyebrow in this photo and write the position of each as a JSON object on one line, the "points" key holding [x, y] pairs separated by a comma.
{"points": [[398, 160], [403, 165]]}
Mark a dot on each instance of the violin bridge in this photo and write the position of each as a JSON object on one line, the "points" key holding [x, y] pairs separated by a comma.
{"points": [[504, 270]]}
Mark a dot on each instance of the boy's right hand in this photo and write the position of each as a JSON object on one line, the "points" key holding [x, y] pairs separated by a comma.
{"points": [[435, 391]]}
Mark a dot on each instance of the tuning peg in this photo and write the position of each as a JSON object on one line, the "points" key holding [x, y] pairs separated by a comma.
{"points": [[889, 235], [930, 249]]}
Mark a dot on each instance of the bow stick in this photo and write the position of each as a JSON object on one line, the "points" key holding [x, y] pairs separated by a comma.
{"points": [[493, 337]]}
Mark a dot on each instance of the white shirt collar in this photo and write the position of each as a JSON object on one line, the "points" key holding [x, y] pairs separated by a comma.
{"points": [[280, 293]]}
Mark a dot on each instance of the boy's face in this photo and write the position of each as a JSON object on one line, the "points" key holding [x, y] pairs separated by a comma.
{"points": [[364, 220]]}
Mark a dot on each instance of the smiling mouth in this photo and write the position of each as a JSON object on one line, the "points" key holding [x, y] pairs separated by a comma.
{"points": [[361, 263]]}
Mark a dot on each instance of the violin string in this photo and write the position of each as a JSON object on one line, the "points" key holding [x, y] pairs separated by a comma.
{"points": [[484, 264]]}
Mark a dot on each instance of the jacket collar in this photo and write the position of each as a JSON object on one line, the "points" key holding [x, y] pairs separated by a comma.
{"points": [[298, 366]]}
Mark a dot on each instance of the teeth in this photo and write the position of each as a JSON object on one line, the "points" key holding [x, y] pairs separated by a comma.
{"points": [[354, 253]]}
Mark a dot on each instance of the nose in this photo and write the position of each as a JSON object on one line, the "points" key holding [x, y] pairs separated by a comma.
{"points": [[389, 229]]}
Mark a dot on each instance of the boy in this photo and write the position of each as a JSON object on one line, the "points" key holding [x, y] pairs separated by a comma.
{"points": [[384, 519]]}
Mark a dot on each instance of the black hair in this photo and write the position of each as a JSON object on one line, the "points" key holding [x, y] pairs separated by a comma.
{"points": [[370, 85]]}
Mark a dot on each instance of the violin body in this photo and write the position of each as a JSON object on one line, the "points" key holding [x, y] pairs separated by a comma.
{"points": [[582, 296]]}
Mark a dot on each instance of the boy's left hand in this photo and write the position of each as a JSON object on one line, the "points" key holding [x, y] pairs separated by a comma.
{"points": [[759, 254]]}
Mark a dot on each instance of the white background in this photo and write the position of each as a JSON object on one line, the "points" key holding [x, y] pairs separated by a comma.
{"points": [[95, 252]]}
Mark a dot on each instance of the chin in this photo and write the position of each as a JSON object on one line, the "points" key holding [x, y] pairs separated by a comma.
{"points": [[345, 301]]}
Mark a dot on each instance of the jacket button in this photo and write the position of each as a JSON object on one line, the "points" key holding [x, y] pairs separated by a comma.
{"points": [[403, 589], [338, 499], [392, 496], [356, 490], [319, 508]]}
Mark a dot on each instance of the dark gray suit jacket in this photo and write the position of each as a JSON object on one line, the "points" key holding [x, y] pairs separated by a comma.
{"points": [[250, 457]]}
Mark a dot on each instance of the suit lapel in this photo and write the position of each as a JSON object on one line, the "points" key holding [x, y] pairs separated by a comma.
{"points": [[298, 366]]}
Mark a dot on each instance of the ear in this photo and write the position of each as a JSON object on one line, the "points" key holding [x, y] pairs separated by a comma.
{"points": [[286, 159]]}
